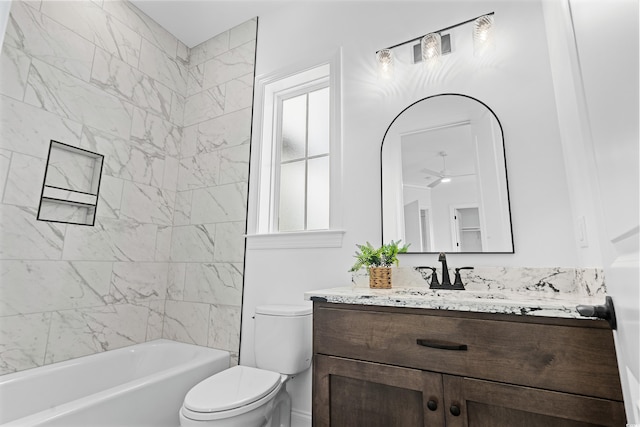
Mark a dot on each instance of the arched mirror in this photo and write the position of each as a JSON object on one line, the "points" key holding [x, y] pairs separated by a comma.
{"points": [[444, 178]]}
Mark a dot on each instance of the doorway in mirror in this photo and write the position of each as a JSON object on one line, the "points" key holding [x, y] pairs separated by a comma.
{"points": [[467, 230]]}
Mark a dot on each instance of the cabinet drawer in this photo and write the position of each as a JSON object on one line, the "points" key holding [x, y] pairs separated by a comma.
{"points": [[562, 358]]}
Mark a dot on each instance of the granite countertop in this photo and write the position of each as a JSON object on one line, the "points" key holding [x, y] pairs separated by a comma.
{"points": [[549, 292], [506, 302]]}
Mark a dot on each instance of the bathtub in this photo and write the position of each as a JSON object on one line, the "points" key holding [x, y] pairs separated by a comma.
{"points": [[141, 385]]}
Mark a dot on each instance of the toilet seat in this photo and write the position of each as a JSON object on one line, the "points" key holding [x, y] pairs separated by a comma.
{"points": [[231, 392]]}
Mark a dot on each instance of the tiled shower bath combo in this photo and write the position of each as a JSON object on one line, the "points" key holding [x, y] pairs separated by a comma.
{"points": [[164, 258]]}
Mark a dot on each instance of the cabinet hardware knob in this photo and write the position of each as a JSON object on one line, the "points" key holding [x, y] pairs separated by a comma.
{"points": [[455, 411], [432, 405], [442, 345]]}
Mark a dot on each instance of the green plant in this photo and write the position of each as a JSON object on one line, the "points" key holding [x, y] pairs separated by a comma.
{"points": [[384, 256]]}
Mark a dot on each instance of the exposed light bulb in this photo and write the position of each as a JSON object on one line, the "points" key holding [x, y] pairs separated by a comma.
{"points": [[483, 34], [385, 64], [431, 48], [445, 180]]}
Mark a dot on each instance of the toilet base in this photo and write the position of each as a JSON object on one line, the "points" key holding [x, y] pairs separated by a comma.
{"points": [[281, 414]]}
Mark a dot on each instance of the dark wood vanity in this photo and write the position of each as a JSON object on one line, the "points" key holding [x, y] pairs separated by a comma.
{"points": [[380, 366]]}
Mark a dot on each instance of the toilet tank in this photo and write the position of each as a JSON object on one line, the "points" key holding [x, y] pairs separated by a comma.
{"points": [[282, 338]]}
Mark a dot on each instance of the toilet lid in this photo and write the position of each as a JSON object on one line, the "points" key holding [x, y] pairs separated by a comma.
{"points": [[230, 389]]}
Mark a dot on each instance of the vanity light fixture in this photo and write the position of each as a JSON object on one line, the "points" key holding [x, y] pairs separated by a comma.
{"points": [[432, 43], [385, 63]]}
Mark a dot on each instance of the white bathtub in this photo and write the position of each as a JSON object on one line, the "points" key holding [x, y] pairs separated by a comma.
{"points": [[141, 385]]}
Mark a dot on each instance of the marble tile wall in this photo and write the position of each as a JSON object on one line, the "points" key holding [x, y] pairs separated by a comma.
{"points": [[207, 250], [165, 257]]}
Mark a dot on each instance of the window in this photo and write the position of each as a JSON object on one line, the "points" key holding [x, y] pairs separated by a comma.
{"points": [[303, 145], [296, 190]]}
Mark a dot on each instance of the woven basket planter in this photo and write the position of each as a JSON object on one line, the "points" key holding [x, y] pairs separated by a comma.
{"points": [[380, 277]]}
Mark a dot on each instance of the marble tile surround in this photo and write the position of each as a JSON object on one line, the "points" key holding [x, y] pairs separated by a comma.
{"points": [[165, 258], [205, 286]]}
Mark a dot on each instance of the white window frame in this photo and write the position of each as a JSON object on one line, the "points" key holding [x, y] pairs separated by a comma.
{"points": [[279, 98], [261, 233]]}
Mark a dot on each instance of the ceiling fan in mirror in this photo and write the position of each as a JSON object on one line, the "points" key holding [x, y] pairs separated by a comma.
{"points": [[443, 176]]}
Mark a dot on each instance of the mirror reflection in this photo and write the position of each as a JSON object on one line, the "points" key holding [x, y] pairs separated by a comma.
{"points": [[444, 178]]}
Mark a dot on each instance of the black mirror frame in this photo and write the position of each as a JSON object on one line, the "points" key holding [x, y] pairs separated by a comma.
{"points": [[506, 175]]}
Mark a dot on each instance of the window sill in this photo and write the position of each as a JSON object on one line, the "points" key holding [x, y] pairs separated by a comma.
{"points": [[296, 240]]}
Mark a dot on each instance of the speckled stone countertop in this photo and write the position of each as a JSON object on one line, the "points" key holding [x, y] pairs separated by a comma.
{"points": [[548, 292]]}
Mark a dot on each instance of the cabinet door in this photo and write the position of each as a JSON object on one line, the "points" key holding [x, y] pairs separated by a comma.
{"points": [[353, 393], [476, 403]]}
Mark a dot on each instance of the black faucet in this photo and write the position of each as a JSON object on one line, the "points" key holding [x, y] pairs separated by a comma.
{"points": [[457, 284], [446, 281]]}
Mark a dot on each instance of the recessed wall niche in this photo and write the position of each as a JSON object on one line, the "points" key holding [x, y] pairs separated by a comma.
{"points": [[71, 185]]}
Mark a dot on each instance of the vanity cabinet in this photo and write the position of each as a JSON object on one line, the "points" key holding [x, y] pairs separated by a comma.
{"points": [[389, 366]]}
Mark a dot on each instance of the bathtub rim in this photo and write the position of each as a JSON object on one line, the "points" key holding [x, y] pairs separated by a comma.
{"points": [[68, 407]]}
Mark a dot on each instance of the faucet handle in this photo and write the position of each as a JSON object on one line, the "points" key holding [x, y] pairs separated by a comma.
{"points": [[434, 275], [457, 282]]}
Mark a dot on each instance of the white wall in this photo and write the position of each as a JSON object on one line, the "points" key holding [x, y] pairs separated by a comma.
{"points": [[574, 130], [600, 136], [421, 194], [515, 83]]}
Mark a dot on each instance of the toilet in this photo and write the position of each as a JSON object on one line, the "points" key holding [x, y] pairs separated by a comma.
{"points": [[243, 396]]}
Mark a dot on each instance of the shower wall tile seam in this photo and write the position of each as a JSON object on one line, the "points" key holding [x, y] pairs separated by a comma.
{"points": [[216, 150], [18, 354], [15, 65], [92, 39], [62, 129], [90, 306], [46, 344], [144, 30], [68, 52], [148, 19], [136, 182], [6, 176], [92, 83]]}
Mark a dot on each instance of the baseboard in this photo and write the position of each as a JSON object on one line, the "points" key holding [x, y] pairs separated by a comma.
{"points": [[300, 419]]}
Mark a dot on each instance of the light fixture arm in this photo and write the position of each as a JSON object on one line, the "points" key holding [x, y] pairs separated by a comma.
{"points": [[438, 32]]}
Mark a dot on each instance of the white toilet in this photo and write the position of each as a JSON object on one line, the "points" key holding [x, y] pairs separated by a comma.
{"points": [[256, 397]]}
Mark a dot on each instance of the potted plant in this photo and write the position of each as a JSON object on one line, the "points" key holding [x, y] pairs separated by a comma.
{"points": [[378, 262]]}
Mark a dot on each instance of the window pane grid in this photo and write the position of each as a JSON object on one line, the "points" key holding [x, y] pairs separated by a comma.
{"points": [[306, 163], [303, 183]]}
